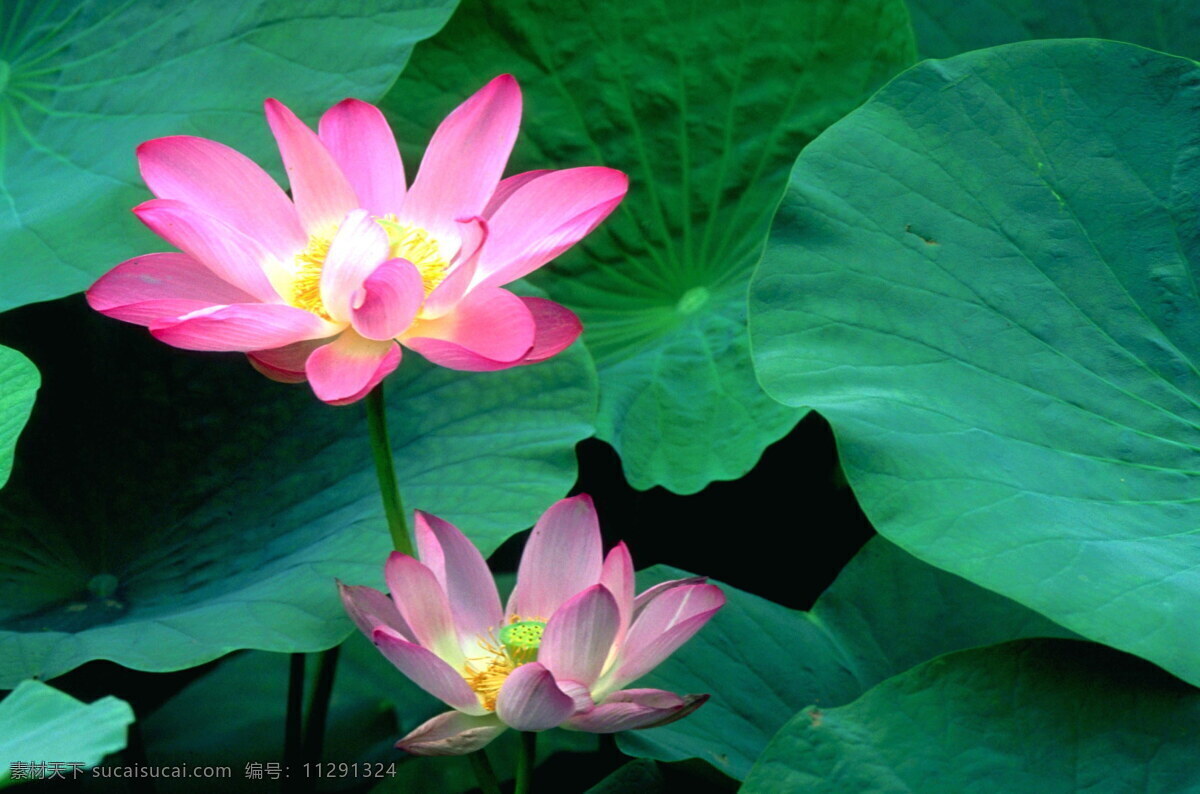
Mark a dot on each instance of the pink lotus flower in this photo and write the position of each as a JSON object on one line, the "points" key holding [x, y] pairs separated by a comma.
{"points": [[322, 286], [559, 654]]}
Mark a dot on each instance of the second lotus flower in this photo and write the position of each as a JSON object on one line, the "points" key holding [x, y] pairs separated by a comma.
{"points": [[323, 286], [560, 653]]}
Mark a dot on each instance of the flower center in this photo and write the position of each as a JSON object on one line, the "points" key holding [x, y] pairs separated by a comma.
{"points": [[419, 247], [514, 645], [522, 639], [406, 242], [306, 288]]}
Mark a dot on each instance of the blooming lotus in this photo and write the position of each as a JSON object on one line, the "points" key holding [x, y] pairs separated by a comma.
{"points": [[326, 285], [560, 653]]}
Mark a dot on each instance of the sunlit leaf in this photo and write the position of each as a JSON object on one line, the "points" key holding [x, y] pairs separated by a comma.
{"points": [[985, 279], [39, 724], [19, 381]]}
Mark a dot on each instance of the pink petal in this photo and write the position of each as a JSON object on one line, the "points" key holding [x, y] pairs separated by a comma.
{"points": [[561, 558], [234, 257], [285, 364], [241, 327], [344, 370], [427, 671], [389, 300], [545, 217], [557, 328], [156, 286], [466, 156], [226, 184], [617, 576], [632, 709], [529, 700], [370, 609], [489, 329], [579, 636], [579, 693], [322, 194], [509, 186], [464, 576], [651, 593], [419, 597], [445, 296], [358, 249], [361, 143], [666, 623], [452, 733]]}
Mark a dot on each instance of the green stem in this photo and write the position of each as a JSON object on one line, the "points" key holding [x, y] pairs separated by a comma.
{"points": [[484, 772], [525, 761], [384, 469], [318, 706], [292, 726]]}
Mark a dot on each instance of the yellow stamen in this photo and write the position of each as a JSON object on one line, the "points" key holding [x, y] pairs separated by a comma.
{"points": [[306, 286], [517, 645], [407, 242], [419, 247], [486, 674]]}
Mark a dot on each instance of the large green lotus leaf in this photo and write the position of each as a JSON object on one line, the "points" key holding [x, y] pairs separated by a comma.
{"points": [[171, 507], [242, 706], [950, 27], [985, 280], [82, 83], [704, 105], [40, 724], [1051, 716], [762, 662], [19, 381]]}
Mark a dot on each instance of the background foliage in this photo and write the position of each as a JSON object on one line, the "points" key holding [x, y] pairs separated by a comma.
{"points": [[982, 278], [704, 105]]}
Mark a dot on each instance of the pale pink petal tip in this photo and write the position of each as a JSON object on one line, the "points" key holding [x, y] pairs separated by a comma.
{"points": [[562, 557], [370, 609], [361, 143], [452, 733], [320, 190], [636, 709], [463, 574], [465, 158]]}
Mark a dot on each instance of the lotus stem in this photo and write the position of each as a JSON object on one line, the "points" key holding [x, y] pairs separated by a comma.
{"points": [[386, 472]]}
